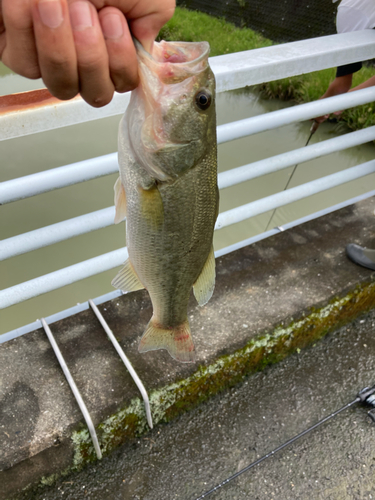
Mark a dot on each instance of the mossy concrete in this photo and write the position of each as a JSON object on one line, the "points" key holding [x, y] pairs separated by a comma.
{"points": [[271, 299]]}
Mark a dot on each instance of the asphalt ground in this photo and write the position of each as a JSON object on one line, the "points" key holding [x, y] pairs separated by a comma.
{"points": [[183, 459]]}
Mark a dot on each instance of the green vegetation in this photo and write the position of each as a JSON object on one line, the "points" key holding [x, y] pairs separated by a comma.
{"points": [[309, 87], [225, 38]]}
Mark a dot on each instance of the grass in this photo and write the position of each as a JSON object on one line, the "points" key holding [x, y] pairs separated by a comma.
{"points": [[309, 87], [224, 38]]}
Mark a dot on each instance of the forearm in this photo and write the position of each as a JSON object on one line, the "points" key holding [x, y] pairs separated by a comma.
{"points": [[340, 85], [368, 83]]}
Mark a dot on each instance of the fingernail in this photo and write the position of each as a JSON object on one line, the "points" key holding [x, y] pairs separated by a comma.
{"points": [[112, 26], [50, 12], [80, 15]]}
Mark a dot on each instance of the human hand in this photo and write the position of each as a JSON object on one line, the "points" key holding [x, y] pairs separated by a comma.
{"points": [[320, 119], [79, 46]]}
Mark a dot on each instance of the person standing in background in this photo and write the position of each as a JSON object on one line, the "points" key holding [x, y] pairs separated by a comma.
{"points": [[352, 15]]}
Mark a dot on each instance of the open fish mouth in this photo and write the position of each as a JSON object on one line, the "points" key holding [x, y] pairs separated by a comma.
{"points": [[175, 60], [167, 126]]}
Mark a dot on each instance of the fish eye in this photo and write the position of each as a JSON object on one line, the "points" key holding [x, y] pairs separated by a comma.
{"points": [[203, 99]]}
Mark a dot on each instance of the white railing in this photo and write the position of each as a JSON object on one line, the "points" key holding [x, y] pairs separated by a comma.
{"points": [[232, 71]]}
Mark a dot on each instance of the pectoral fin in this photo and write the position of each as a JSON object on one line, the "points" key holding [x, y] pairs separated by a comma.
{"points": [[127, 279], [205, 284], [120, 201]]}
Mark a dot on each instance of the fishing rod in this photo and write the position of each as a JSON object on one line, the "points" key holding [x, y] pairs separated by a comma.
{"points": [[313, 129], [365, 396]]}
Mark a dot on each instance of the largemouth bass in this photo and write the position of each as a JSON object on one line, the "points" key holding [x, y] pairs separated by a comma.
{"points": [[167, 189]]}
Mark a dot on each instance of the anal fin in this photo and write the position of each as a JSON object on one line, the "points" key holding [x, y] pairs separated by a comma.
{"points": [[126, 279], [177, 341], [205, 284]]}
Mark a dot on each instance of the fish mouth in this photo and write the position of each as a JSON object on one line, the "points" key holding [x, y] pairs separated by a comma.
{"points": [[178, 54], [170, 71]]}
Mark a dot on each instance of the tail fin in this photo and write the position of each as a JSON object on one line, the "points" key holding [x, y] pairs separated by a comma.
{"points": [[177, 341]]}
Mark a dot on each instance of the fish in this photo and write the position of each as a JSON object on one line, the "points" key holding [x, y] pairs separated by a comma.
{"points": [[167, 189]]}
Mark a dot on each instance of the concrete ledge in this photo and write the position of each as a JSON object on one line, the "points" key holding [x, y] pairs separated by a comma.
{"points": [[271, 299]]}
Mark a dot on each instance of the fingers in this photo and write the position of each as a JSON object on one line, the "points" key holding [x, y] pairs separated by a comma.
{"points": [[55, 46], [96, 86], [122, 56], [19, 53], [62, 41], [79, 45], [2, 33], [147, 18], [321, 119]]}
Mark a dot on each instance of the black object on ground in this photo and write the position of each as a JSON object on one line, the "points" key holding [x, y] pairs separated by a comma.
{"points": [[366, 396]]}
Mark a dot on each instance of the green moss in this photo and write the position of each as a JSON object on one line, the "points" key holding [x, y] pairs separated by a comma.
{"points": [[261, 351], [266, 349], [49, 480]]}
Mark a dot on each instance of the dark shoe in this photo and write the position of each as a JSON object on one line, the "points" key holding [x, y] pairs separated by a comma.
{"points": [[363, 256]]}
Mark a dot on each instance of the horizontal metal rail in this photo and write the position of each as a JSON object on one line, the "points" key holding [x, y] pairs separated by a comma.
{"points": [[48, 235], [291, 158], [74, 173], [32, 240], [62, 277], [232, 71], [277, 200], [66, 313], [55, 178], [71, 274], [270, 121], [238, 70]]}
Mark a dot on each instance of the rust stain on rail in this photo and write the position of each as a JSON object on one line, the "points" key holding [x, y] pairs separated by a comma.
{"points": [[27, 100]]}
